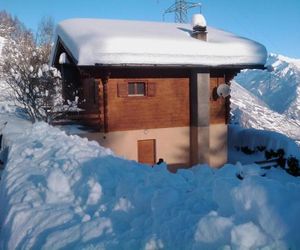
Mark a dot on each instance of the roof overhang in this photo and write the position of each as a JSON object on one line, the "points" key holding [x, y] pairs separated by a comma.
{"points": [[225, 66], [116, 43]]}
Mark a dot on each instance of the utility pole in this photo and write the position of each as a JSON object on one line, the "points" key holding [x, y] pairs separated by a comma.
{"points": [[180, 8]]}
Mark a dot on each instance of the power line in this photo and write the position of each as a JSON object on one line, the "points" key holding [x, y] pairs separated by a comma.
{"points": [[180, 8]]}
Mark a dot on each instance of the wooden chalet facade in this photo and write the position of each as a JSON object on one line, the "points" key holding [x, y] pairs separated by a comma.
{"points": [[146, 111]]}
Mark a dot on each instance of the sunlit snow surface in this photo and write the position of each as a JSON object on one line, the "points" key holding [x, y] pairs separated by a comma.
{"points": [[60, 191], [92, 41]]}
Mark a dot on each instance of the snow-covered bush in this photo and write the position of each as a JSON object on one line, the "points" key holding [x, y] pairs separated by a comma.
{"points": [[37, 87]]}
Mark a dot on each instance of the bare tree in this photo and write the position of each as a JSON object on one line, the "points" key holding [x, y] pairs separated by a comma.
{"points": [[44, 37], [10, 27], [7, 24], [37, 87]]}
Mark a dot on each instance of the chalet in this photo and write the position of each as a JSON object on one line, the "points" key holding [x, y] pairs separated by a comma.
{"points": [[154, 90]]}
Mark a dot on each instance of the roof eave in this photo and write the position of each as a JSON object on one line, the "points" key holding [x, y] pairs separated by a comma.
{"points": [[223, 66]]}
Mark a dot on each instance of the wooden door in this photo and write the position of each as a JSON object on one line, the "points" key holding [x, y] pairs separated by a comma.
{"points": [[146, 151]]}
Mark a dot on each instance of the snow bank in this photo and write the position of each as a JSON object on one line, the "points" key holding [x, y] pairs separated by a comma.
{"points": [[92, 41], [253, 138], [60, 191]]}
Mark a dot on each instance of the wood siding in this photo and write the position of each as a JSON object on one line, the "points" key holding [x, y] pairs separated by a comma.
{"points": [[166, 106], [166, 102]]}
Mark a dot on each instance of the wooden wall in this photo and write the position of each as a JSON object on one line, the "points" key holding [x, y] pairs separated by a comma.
{"points": [[168, 107]]}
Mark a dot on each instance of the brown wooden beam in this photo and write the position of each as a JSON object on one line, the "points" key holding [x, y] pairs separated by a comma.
{"points": [[104, 81]]}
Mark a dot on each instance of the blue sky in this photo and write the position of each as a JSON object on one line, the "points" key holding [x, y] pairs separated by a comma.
{"points": [[274, 23]]}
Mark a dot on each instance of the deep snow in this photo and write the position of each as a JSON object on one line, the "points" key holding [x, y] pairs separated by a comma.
{"points": [[60, 191]]}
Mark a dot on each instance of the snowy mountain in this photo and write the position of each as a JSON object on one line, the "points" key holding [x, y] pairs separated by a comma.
{"points": [[269, 100], [251, 112], [278, 87]]}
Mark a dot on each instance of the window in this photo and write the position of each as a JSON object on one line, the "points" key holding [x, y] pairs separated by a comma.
{"points": [[136, 88]]}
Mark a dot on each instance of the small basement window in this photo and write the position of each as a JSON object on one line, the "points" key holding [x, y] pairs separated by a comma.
{"points": [[136, 89]]}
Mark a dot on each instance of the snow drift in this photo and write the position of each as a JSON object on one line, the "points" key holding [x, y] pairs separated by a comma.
{"points": [[59, 191]]}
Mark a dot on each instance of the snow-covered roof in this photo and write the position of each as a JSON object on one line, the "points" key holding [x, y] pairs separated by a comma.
{"points": [[115, 42]]}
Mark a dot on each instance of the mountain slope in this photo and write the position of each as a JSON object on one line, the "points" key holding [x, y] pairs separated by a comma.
{"points": [[269, 99], [279, 88], [251, 112]]}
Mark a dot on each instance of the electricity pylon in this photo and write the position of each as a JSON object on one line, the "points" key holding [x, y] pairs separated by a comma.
{"points": [[180, 8]]}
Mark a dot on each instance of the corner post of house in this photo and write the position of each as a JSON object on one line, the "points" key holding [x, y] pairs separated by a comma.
{"points": [[219, 119], [104, 81], [200, 116]]}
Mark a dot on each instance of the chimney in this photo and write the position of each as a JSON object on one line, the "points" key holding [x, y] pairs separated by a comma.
{"points": [[199, 27]]}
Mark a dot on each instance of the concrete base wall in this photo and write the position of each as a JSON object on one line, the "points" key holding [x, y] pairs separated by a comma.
{"points": [[209, 145], [199, 145], [218, 154], [172, 144]]}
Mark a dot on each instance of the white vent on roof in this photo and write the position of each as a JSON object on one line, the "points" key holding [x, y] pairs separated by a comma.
{"points": [[199, 27], [199, 20]]}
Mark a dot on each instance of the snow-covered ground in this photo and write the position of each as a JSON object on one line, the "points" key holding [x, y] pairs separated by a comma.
{"points": [[59, 191]]}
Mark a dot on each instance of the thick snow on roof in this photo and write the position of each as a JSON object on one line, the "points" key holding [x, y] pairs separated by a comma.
{"points": [[92, 41]]}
